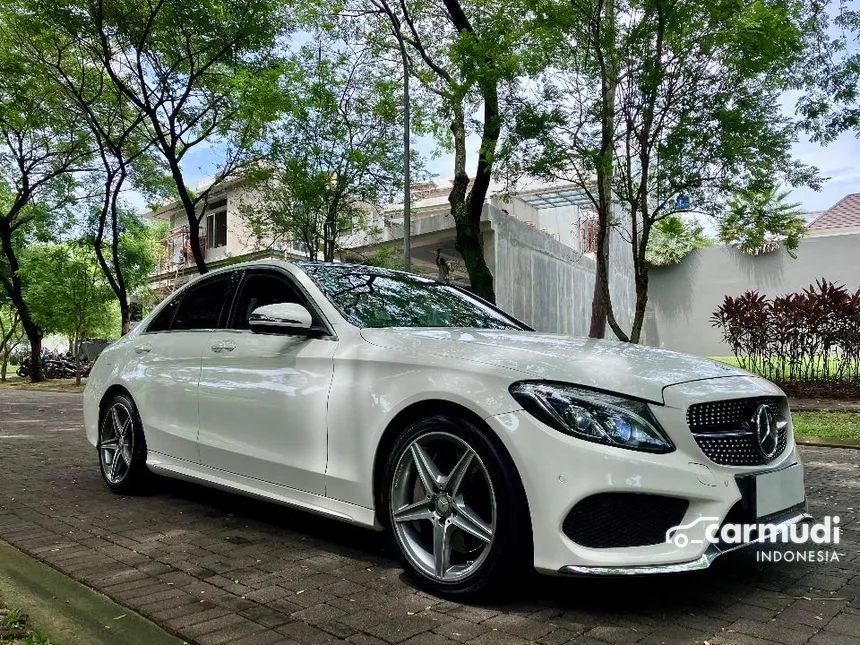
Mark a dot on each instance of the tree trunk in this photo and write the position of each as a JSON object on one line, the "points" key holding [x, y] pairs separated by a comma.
{"points": [[467, 216], [77, 356], [641, 305], [601, 282], [641, 274], [191, 215], [5, 339], [16, 295], [604, 44], [34, 335], [125, 316], [113, 274]]}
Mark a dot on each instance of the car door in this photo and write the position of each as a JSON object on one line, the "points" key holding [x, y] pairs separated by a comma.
{"points": [[165, 377], [264, 397]]}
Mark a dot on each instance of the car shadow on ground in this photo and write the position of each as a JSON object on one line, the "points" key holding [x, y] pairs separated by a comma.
{"points": [[729, 580]]}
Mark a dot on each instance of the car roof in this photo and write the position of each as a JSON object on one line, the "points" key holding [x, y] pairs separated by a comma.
{"points": [[301, 264]]}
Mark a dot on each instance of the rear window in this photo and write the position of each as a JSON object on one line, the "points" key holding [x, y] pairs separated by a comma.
{"points": [[202, 304]]}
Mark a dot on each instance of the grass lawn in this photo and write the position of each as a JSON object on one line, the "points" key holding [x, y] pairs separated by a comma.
{"points": [[14, 629], [728, 360], [827, 425], [51, 385]]}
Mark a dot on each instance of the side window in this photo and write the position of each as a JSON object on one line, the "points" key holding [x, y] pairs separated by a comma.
{"points": [[259, 289], [202, 304], [162, 321]]}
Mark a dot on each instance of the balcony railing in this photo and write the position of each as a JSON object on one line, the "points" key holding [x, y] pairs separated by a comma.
{"points": [[177, 250]]}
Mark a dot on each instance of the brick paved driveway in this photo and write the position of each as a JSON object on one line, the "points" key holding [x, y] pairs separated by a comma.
{"points": [[217, 568]]}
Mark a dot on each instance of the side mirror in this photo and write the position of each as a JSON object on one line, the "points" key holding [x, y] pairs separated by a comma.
{"points": [[281, 318]]}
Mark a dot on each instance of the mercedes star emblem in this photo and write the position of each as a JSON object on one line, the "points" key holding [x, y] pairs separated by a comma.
{"points": [[766, 431]]}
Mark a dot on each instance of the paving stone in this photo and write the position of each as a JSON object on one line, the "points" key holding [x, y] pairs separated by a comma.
{"points": [[613, 634], [307, 634], [156, 553], [845, 624], [772, 631], [399, 629]]}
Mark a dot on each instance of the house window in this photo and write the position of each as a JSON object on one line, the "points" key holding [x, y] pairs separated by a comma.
{"points": [[216, 225]]}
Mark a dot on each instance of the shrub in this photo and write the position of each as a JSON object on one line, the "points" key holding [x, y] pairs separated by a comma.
{"points": [[808, 337]]}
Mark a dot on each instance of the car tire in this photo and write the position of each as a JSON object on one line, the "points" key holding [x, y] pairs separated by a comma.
{"points": [[469, 538], [122, 447]]}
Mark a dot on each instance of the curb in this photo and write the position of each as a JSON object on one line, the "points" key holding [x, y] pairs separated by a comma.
{"points": [[67, 611], [828, 442]]}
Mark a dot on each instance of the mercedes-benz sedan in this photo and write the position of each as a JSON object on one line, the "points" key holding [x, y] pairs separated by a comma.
{"points": [[395, 402]]}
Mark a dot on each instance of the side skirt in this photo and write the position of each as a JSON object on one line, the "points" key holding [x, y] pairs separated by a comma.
{"points": [[180, 469]]}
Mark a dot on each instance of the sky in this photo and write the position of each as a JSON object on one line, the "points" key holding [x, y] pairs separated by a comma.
{"points": [[840, 161]]}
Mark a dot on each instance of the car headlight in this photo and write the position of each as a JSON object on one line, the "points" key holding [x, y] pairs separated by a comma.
{"points": [[592, 415]]}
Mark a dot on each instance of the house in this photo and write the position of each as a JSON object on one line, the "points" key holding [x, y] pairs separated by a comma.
{"points": [[538, 242], [843, 218]]}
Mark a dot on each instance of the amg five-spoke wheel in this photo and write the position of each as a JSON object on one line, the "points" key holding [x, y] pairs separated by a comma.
{"points": [[444, 522], [445, 481], [117, 442], [121, 446]]}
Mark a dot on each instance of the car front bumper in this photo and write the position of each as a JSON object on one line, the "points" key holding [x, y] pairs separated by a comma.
{"points": [[714, 551], [558, 471]]}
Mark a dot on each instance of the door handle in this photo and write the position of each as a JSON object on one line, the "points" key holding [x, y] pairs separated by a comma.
{"points": [[224, 346], [143, 349]]}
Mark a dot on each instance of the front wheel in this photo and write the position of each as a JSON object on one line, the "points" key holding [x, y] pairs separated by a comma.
{"points": [[122, 446], [456, 509]]}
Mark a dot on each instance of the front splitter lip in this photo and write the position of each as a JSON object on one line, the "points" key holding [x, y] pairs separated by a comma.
{"points": [[702, 562]]}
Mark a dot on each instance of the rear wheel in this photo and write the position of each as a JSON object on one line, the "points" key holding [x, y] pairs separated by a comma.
{"points": [[456, 509], [122, 446]]}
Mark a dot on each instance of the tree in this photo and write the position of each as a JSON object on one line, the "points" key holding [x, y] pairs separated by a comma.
{"points": [[465, 55], [11, 334], [118, 130], [830, 80], [41, 144], [697, 115], [672, 239], [567, 131], [201, 72], [135, 251], [759, 219], [68, 292], [334, 156]]}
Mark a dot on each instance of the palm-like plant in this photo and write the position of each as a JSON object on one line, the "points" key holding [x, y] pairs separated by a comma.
{"points": [[672, 239], [759, 219]]}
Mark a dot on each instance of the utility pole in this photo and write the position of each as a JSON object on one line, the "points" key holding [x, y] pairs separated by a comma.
{"points": [[384, 7], [407, 179]]}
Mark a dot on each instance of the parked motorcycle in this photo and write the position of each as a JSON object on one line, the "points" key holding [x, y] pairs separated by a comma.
{"points": [[24, 368], [56, 368]]}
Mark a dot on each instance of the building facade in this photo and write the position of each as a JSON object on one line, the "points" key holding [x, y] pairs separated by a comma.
{"points": [[539, 244]]}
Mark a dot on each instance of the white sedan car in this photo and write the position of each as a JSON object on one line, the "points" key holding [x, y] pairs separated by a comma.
{"points": [[395, 402]]}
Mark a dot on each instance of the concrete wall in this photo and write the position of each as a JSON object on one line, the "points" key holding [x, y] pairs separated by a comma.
{"points": [[683, 297], [549, 285]]}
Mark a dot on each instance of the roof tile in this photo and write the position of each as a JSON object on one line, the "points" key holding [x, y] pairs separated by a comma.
{"points": [[845, 213]]}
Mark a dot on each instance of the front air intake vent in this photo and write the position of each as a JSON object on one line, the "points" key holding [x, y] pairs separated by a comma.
{"points": [[612, 520]]}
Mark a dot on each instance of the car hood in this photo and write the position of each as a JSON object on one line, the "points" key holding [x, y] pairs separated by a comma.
{"points": [[625, 368]]}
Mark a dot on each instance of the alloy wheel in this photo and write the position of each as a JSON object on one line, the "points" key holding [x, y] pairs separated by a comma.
{"points": [[116, 443], [444, 523]]}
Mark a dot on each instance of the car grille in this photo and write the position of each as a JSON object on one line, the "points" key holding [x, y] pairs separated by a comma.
{"points": [[611, 520], [725, 430]]}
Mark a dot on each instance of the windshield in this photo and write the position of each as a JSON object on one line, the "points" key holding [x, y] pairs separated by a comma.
{"points": [[375, 297]]}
